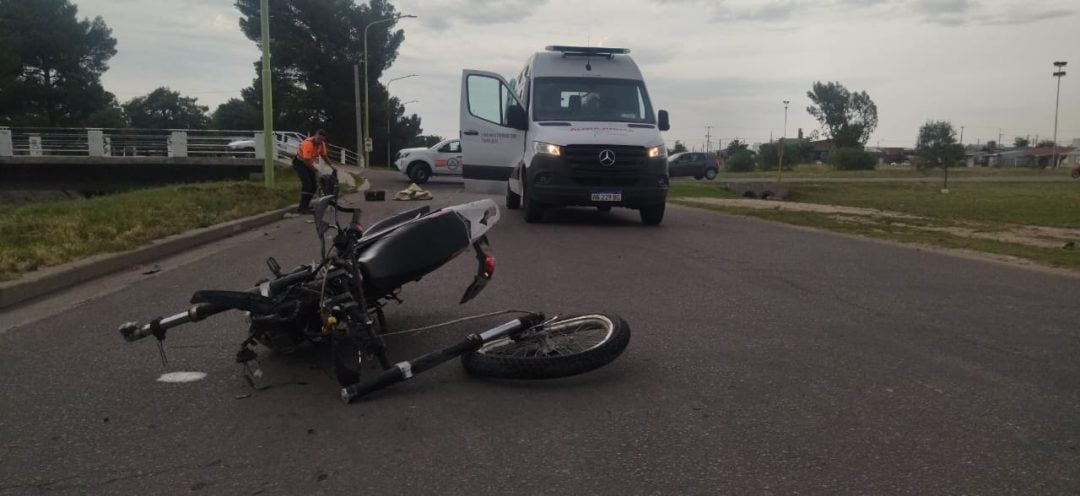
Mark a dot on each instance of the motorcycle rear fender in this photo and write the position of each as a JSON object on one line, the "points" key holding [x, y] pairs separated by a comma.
{"points": [[480, 215], [485, 268]]}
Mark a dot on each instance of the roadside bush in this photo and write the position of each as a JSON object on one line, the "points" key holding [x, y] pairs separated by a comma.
{"points": [[851, 159], [740, 161], [770, 154]]}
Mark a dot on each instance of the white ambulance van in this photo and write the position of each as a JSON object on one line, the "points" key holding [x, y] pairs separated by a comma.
{"points": [[576, 127]]}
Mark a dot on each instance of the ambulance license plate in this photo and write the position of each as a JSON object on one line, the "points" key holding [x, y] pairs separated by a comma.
{"points": [[607, 196]]}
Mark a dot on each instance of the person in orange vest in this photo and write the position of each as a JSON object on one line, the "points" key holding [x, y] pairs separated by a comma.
{"points": [[311, 149]]}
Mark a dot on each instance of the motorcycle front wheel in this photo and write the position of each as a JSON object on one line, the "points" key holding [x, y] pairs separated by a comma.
{"points": [[559, 348]]}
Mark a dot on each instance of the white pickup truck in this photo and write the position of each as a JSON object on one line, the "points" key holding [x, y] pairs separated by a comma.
{"points": [[286, 142], [443, 159]]}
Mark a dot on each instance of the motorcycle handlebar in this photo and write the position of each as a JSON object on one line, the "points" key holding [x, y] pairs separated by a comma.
{"points": [[132, 331]]}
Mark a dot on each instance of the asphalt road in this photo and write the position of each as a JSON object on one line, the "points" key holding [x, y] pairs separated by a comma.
{"points": [[764, 360]]}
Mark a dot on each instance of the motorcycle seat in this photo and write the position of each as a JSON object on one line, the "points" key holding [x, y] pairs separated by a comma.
{"points": [[408, 252]]}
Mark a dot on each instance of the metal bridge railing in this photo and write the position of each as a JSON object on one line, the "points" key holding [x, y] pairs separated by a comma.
{"points": [[123, 142]]}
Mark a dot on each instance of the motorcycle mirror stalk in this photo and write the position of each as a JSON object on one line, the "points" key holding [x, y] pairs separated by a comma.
{"points": [[274, 267]]}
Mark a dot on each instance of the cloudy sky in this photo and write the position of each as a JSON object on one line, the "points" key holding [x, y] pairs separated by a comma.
{"points": [[982, 64]]}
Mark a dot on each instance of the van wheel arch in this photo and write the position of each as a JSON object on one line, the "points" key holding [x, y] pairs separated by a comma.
{"points": [[419, 171]]}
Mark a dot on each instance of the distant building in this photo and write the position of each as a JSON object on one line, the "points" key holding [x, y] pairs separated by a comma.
{"points": [[1044, 157], [819, 150]]}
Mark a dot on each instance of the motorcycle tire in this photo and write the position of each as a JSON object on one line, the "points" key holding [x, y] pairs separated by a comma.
{"points": [[564, 347]]}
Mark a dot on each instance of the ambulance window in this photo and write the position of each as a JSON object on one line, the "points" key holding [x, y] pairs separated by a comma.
{"points": [[489, 98]]}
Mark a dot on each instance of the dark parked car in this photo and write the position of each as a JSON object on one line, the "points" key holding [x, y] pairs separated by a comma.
{"points": [[694, 164]]}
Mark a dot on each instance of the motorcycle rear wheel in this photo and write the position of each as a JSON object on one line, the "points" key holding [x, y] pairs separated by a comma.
{"points": [[560, 348]]}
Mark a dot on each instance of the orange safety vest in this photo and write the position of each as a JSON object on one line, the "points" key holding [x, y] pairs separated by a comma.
{"points": [[309, 151]]}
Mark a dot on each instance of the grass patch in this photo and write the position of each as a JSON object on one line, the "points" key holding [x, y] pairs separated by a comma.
{"points": [[46, 234], [892, 232], [827, 171], [1037, 204], [699, 189]]}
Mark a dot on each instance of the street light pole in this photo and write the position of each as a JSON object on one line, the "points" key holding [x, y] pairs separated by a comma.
{"points": [[780, 165], [367, 110], [389, 113], [388, 132], [267, 104], [359, 126], [1059, 73]]}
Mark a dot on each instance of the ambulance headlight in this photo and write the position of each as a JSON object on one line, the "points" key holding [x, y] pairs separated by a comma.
{"points": [[541, 148]]}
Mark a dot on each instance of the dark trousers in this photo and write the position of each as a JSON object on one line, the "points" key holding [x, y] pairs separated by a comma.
{"points": [[307, 182]]}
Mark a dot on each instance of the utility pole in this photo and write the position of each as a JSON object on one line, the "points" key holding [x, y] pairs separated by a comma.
{"points": [[961, 135], [359, 125], [999, 138], [389, 112], [267, 103], [1059, 73], [367, 110], [780, 165], [389, 163], [708, 138]]}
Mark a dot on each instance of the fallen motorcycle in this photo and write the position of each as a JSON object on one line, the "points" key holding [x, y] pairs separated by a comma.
{"points": [[339, 301]]}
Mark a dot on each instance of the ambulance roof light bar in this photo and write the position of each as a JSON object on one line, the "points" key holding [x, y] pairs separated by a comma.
{"points": [[587, 51]]}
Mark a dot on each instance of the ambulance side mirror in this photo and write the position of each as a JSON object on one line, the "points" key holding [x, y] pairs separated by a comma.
{"points": [[516, 118]]}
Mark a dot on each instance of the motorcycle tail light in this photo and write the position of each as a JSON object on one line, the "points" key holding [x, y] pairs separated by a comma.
{"points": [[489, 265]]}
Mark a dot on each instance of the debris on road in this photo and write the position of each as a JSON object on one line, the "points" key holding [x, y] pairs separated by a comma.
{"points": [[180, 377], [413, 192]]}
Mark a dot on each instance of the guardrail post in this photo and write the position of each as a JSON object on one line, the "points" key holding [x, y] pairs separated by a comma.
{"points": [[178, 144], [260, 148], [35, 145], [6, 149], [95, 141]]}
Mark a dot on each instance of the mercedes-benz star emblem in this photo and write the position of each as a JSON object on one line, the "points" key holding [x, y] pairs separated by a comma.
{"points": [[607, 157]]}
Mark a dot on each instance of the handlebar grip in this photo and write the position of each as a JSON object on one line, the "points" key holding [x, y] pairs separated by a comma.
{"points": [[132, 332], [391, 376]]}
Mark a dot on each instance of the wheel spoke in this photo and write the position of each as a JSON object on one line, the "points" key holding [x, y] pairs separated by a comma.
{"points": [[567, 337]]}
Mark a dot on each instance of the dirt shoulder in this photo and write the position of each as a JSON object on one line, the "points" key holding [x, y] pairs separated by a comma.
{"points": [[1054, 247], [1038, 236]]}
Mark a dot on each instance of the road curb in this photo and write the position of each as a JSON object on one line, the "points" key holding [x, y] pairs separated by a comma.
{"points": [[52, 279]]}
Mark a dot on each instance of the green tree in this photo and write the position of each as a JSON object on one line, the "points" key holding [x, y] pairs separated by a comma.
{"points": [[769, 155], [1045, 144], [424, 140], [848, 118], [740, 161], [678, 148], [315, 44], [404, 128], [236, 114], [111, 115], [735, 146], [166, 109], [849, 158], [51, 64], [1021, 142], [937, 147]]}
